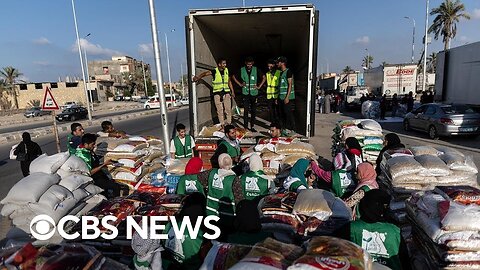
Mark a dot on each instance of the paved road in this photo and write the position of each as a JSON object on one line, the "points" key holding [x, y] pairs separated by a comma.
{"points": [[149, 125], [44, 123]]}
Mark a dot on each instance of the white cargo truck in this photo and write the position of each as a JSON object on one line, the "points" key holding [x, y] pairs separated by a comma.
{"points": [[261, 32], [391, 79]]}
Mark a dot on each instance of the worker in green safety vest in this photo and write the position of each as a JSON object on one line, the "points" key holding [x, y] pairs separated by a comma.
{"points": [[255, 183], [273, 79], [367, 180], [182, 145], [230, 145], [74, 138], [250, 79], [189, 182], [222, 89], [382, 240], [286, 93]]}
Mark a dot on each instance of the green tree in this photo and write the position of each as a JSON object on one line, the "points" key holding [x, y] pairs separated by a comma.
{"points": [[432, 62], [34, 103], [367, 61], [384, 63], [347, 70], [10, 76], [448, 14]]}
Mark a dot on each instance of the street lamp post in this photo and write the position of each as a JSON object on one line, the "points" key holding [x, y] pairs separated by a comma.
{"points": [[168, 67], [413, 37], [90, 95], [81, 62], [425, 41]]}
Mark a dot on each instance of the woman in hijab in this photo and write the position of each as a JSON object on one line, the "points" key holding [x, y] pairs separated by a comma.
{"points": [[247, 225], [349, 158], [254, 183], [379, 238], [391, 142], [26, 152], [367, 180], [189, 182], [300, 177]]}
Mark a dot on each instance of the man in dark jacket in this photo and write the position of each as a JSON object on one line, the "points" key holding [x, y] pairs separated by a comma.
{"points": [[26, 152]]}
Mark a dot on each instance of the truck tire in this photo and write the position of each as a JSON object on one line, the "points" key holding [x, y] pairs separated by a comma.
{"points": [[432, 132], [147, 107]]}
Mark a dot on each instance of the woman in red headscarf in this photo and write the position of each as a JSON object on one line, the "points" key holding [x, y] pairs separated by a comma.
{"points": [[189, 182]]}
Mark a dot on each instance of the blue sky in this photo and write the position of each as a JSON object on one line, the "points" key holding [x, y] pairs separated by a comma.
{"points": [[38, 37]]}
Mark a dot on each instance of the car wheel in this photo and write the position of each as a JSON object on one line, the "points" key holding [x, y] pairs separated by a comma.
{"points": [[406, 125], [432, 133], [73, 118], [147, 107]]}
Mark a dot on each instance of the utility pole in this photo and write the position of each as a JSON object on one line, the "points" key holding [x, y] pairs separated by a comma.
{"points": [[413, 38], [158, 66], [144, 77], [425, 41], [181, 75], [168, 67], [90, 95]]}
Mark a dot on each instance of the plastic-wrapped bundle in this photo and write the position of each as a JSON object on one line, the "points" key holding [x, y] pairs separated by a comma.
{"points": [[224, 255], [458, 178], [372, 147], [403, 165], [177, 166], [413, 179], [371, 109], [433, 166], [448, 150], [459, 163], [424, 150], [296, 148], [372, 140], [460, 194], [370, 125], [459, 217], [313, 202]]}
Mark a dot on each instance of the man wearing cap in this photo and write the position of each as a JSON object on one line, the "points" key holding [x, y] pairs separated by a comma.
{"points": [[286, 93], [222, 90], [273, 76], [250, 80]]}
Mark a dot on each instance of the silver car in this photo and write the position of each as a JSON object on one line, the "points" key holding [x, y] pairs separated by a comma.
{"points": [[35, 111], [444, 120]]}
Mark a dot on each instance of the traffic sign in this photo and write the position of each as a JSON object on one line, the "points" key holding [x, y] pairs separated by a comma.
{"points": [[49, 102]]}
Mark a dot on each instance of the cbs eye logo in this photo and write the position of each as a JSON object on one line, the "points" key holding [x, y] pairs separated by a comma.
{"points": [[42, 227]]}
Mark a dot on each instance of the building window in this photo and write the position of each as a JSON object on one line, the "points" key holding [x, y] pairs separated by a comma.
{"points": [[105, 70], [38, 86], [53, 85], [71, 84], [101, 87], [23, 86]]}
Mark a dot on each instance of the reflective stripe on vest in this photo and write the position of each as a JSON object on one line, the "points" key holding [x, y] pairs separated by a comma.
{"points": [[183, 151], [220, 199], [272, 84], [250, 81], [284, 86], [220, 83]]}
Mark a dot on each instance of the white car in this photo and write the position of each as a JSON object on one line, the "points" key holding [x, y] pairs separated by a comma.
{"points": [[154, 103], [184, 101]]}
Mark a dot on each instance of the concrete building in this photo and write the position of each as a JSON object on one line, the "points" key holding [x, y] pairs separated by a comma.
{"points": [[115, 73], [61, 91]]}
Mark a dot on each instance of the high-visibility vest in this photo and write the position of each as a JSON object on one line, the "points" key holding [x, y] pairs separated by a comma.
{"points": [[220, 199], [183, 151], [232, 151], [220, 83], [272, 84], [250, 81], [254, 184], [284, 86]]}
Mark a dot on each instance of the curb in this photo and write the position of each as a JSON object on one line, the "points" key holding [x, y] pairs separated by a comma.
{"points": [[38, 132]]}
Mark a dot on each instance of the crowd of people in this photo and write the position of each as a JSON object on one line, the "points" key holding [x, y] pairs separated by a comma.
{"points": [[277, 84], [330, 102]]}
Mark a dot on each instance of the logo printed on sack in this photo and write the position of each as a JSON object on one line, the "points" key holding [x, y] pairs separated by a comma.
{"points": [[334, 263], [345, 181], [373, 243], [251, 184], [217, 182]]}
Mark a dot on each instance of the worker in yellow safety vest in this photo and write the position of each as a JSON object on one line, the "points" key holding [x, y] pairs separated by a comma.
{"points": [[222, 90], [273, 76]]}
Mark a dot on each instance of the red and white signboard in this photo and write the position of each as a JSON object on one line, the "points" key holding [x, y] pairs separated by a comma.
{"points": [[49, 102]]}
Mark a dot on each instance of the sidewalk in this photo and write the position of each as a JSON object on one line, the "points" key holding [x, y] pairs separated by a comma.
{"points": [[64, 127], [101, 108]]}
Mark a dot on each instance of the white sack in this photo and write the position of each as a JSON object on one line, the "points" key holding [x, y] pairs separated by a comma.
{"points": [[75, 181], [48, 164], [75, 164], [30, 188]]}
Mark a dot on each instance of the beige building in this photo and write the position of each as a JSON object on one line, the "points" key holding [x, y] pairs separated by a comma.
{"points": [[111, 72], [61, 91]]}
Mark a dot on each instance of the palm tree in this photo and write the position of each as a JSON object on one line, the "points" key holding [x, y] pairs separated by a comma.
{"points": [[431, 62], [445, 23], [367, 61], [347, 70], [384, 63], [10, 75]]}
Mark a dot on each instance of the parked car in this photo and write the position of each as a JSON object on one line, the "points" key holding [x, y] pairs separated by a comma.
{"points": [[154, 103], [69, 104], [143, 99], [72, 114], [118, 98], [444, 120], [35, 111], [127, 98], [184, 101]]}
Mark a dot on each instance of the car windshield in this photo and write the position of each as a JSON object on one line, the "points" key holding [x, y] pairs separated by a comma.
{"points": [[458, 109], [68, 111]]}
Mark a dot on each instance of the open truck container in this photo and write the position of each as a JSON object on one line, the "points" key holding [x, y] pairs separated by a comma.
{"points": [[262, 32]]}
